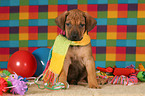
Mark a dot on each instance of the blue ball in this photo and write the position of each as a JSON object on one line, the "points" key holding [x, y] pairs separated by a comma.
{"points": [[41, 55]]}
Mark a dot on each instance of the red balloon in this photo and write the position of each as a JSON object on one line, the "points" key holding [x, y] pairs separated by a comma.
{"points": [[22, 63]]}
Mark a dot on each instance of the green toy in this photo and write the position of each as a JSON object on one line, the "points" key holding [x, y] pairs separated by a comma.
{"points": [[141, 76]]}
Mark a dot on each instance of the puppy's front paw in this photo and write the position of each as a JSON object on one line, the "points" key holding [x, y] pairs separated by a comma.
{"points": [[94, 86]]}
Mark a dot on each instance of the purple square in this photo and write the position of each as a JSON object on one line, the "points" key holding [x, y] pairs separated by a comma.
{"points": [[43, 8], [70, 7], [101, 28], [131, 28], [13, 50], [102, 7], [131, 50], [14, 9], [42, 29], [132, 7], [100, 50], [14, 30]]}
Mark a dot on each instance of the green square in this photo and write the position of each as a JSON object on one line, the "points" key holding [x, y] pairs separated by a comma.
{"points": [[14, 16], [24, 2], [101, 35], [14, 36], [100, 57], [140, 43], [23, 23], [132, 14], [51, 22], [50, 43], [112, 1], [111, 21], [110, 64], [102, 14], [111, 43], [130, 57], [141, 1], [42, 36], [131, 35], [137, 63], [140, 21], [52, 2], [42, 15], [82, 1], [23, 43]]}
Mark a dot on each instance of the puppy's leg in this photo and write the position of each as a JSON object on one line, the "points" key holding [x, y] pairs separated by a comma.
{"points": [[90, 66]]}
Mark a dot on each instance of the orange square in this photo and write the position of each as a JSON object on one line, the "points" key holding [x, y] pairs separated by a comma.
{"points": [[111, 28], [24, 9], [140, 50], [140, 28], [23, 48], [121, 35], [93, 13], [82, 7], [4, 36], [110, 49], [120, 57], [92, 35], [33, 36], [23, 29], [112, 7], [141, 7], [4, 16], [60, 12], [52, 8], [4, 57], [33, 15], [122, 14], [52, 29]]}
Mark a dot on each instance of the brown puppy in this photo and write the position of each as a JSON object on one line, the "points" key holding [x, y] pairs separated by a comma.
{"points": [[79, 62]]}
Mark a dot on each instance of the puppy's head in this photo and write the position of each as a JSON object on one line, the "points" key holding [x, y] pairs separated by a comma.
{"points": [[75, 23]]}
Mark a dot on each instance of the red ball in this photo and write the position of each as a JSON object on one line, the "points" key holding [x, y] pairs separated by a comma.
{"points": [[22, 63]]}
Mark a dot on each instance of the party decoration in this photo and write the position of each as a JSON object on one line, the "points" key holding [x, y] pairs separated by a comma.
{"points": [[23, 63], [3, 84], [41, 55], [141, 76]]}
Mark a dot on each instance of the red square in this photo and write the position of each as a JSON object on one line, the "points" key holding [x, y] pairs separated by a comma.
{"points": [[121, 28], [120, 50], [122, 7], [33, 8], [4, 9], [4, 30], [94, 50], [31, 49], [62, 7], [33, 29], [92, 7], [94, 29], [4, 51]]}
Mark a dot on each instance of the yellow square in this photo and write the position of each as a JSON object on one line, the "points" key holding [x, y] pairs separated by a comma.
{"points": [[111, 35], [24, 16], [140, 36], [112, 14], [52, 15], [23, 36], [52, 36], [141, 14], [110, 57], [140, 57]]}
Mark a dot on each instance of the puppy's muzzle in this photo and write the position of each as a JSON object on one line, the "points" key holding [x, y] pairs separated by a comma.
{"points": [[75, 36]]}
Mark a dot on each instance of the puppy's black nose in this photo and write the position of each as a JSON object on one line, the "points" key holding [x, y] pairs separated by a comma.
{"points": [[74, 37]]}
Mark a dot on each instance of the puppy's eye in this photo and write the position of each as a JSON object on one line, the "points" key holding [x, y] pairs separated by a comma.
{"points": [[68, 24], [82, 25]]}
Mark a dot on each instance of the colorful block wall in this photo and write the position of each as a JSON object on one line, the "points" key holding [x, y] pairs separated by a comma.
{"points": [[118, 39]]}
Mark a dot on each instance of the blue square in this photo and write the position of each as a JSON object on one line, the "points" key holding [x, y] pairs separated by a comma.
{"points": [[122, 21], [98, 42], [13, 23], [13, 43], [5, 3], [3, 65], [102, 1], [4, 44], [101, 21], [122, 1], [120, 64], [42, 43], [42, 2], [72, 2], [32, 43], [33, 22], [14, 2], [100, 64], [121, 43], [42, 22], [62, 2], [34, 2], [131, 43], [131, 21], [132, 1], [4, 23], [128, 63], [92, 1]]}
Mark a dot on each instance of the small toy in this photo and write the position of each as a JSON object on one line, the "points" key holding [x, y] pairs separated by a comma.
{"points": [[3, 84], [130, 66], [123, 71], [141, 76], [108, 69], [141, 67]]}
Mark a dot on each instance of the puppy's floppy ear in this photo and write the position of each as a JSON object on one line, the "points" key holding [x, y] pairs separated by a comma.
{"points": [[60, 20], [90, 22]]}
